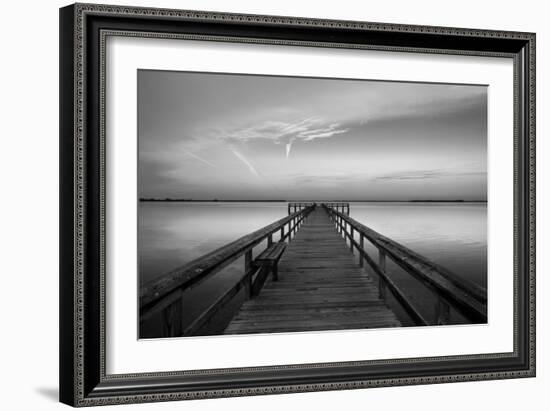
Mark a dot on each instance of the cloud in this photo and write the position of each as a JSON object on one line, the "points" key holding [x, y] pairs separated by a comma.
{"points": [[288, 146], [286, 132], [335, 114], [196, 157], [427, 174], [326, 132], [325, 178], [241, 157]]}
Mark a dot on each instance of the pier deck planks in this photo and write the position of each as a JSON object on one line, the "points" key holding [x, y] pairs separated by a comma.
{"points": [[320, 287]]}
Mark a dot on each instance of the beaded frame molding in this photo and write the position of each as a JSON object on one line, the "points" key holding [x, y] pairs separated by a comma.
{"points": [[83, 31]]}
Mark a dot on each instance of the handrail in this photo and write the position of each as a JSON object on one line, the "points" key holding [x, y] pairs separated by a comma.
{"points": [[295, 206], [161, 293], [468, 298], [338, 206]]}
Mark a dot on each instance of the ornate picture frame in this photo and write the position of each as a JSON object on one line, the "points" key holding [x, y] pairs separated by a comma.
{"points": [[84, 30]]}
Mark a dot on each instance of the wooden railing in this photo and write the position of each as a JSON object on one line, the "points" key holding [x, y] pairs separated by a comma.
{"points": [[298, 206], [467, 298], [341, 207], [164, 296]]}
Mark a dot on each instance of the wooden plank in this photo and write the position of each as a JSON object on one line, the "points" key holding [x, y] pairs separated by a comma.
{"points": [[320, 287], [282, 305], [308, 326], [467, 297]]}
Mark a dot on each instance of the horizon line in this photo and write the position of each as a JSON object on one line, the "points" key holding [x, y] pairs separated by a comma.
{"points": [[215, 200]]}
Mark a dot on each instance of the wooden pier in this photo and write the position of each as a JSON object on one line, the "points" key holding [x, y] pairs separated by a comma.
{"points": [[320, 287], [312, 272]]}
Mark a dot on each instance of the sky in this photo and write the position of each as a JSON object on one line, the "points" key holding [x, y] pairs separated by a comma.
{"points": [[246, 137]]}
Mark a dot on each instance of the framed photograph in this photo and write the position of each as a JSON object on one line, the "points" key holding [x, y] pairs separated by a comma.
{"points": [[262, 204]]}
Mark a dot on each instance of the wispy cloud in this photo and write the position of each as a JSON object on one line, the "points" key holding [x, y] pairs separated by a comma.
{"points": [[196, 157], [286, 132], [288, 146], [427, 174], [324, 178], [324, 132], [245, 161]]}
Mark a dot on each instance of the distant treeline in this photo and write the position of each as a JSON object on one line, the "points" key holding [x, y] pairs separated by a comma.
{"points": [[215, 200], [447, 201]]}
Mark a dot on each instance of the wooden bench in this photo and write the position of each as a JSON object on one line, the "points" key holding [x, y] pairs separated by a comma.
{"points": [[267, 262]]}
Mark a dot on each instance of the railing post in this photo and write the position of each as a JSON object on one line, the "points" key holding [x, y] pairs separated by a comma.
{"points": [[289, 231], [172, 319], [351, 238], [361, 246], [247, 268], [282, 233], [442, 312], [381, 281], [270, 240]]}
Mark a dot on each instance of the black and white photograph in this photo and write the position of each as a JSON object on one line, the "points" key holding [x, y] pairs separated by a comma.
{"points": [[261, 199], [280, 204]]}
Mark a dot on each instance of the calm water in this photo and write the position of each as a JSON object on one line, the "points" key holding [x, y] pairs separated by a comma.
{"points": [[171, 234], [453, 235]]}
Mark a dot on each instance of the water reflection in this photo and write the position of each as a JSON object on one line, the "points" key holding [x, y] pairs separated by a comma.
{"points": [[453, 235], [172, 234]]}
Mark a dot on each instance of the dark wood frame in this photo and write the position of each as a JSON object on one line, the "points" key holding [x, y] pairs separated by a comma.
{"points": [[83, 29]]}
